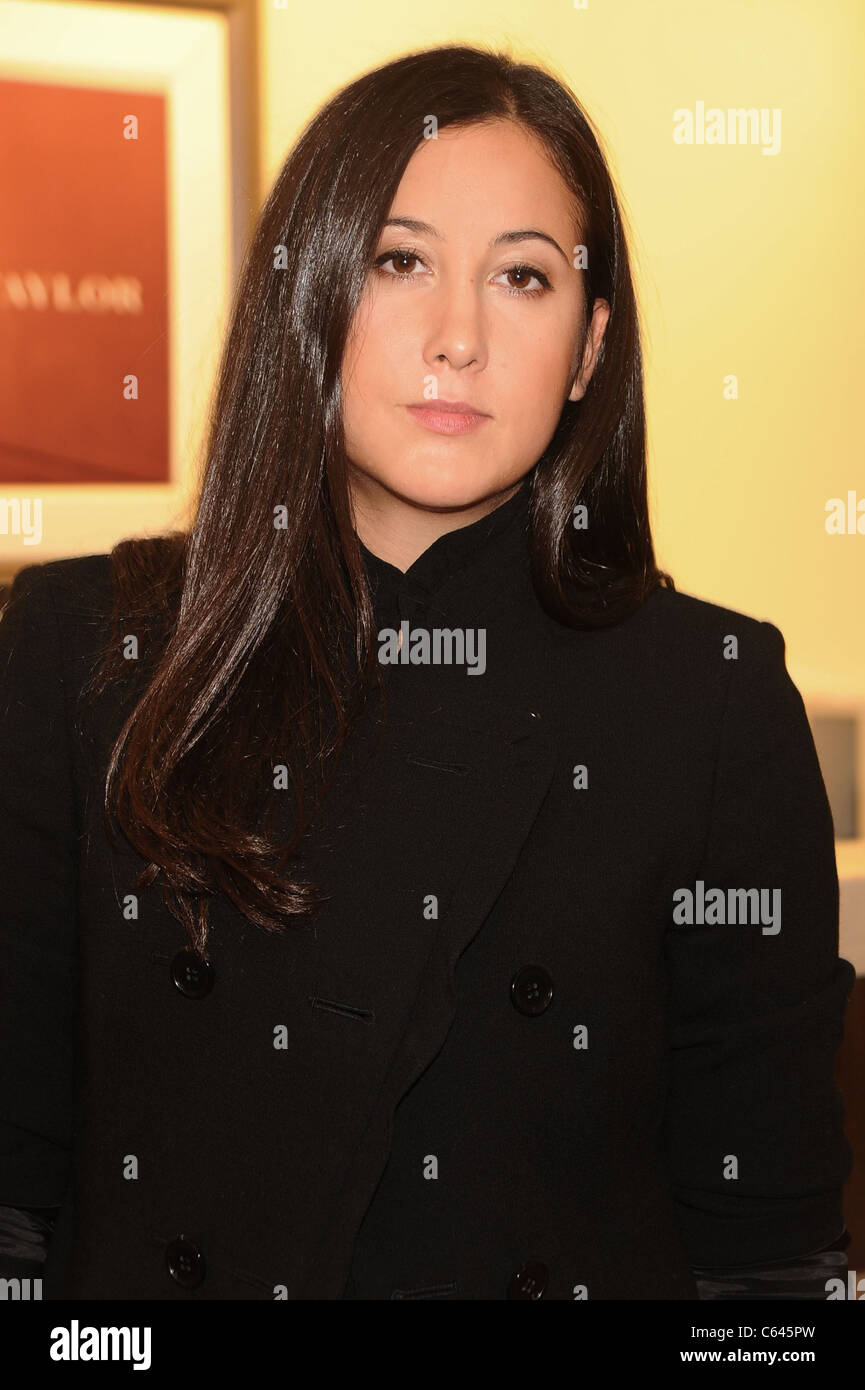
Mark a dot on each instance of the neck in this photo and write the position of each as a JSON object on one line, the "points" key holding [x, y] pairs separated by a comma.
{"points": [[399, 530]]}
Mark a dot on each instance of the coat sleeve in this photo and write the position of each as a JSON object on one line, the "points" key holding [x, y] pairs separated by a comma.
{"points": [[806, 1277], [25, 1233], [754, 1130], [38, 873]]}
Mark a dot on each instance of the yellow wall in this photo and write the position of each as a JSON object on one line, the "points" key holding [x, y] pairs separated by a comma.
{"points": [[748, 264]]}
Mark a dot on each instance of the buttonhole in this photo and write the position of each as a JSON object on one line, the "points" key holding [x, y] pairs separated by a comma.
{"points": [[458, 769], [347, 1010]]}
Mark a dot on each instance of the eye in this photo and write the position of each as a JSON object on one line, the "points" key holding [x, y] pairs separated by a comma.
{"points": [[405, 258], [526, 272], [400, 255]]}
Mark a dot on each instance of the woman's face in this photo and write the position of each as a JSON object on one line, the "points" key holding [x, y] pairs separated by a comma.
{"points": [[473, 306]]}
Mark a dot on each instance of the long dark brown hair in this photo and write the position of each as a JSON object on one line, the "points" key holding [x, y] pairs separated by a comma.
{"points": [[255, 628]]}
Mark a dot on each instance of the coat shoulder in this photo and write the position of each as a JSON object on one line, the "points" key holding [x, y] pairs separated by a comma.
{"points": [[678, 644], [686, 617], [57, 592], [136, 576], [684, 630], [82, 606], [80, 580]]}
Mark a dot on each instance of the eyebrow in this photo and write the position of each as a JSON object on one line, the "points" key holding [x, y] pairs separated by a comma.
{"points": [[503, 238]]}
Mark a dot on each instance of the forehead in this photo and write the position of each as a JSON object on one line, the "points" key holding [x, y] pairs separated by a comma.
{"points": [[498, 173]]}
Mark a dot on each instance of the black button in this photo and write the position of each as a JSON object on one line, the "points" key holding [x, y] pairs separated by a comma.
{"points": [[185, 1262], [531, 989], [529, 1281], [192, 975]]}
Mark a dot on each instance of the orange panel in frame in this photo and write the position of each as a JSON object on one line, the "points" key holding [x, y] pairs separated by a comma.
{"points": [[83, 285]]}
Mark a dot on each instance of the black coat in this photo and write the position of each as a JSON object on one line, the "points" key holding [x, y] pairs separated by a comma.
{"points": [[539, 1091]]}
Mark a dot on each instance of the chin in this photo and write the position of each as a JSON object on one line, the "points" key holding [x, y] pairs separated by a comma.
{"points": [[464, 490], [455, 480]]}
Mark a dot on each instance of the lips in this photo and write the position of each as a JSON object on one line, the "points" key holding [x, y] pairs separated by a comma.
{"points": [[442, 407], [447, 417]]}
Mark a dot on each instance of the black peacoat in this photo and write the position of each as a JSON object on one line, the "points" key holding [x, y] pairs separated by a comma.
{"points": [[497, 1066]]}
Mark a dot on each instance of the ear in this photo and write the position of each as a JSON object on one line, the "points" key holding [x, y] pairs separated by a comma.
{"points": [[594, 339]]}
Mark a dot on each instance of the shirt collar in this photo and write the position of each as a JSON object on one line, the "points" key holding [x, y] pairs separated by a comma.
{"points": [[473, 563]]}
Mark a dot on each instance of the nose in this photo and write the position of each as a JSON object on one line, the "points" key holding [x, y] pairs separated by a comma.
{"points": [[455, 329]]}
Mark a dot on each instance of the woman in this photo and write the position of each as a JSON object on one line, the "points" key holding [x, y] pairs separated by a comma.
{"points": [[451, 797]]}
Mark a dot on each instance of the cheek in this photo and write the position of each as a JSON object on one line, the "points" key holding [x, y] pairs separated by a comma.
{"points": [[538, 368], [376, 357]]}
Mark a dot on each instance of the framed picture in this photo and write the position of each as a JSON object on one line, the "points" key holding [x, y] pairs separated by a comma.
{"points": [[128, 185]]}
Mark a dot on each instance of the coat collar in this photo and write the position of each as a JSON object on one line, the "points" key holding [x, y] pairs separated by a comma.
{"points": [[467, 568]]}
